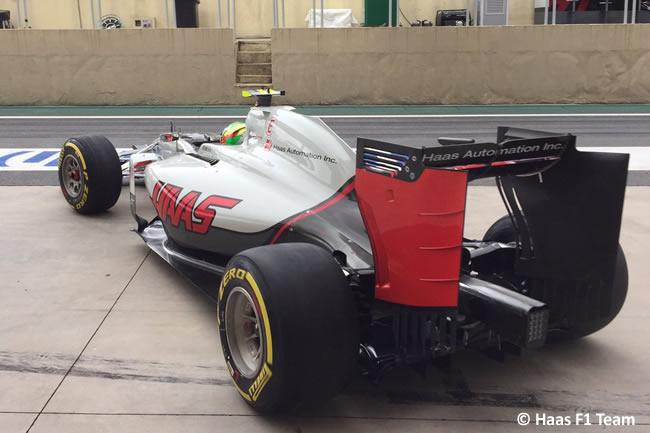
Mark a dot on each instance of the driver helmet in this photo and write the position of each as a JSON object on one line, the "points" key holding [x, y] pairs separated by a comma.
{"points": [[233, 134]]}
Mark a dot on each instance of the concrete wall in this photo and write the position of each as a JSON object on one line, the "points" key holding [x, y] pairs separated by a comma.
{"points": [[96, 67], [254, 17], [490, 65], [521, 13]]}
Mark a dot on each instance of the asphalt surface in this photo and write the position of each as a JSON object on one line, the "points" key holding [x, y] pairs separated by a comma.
{"points": [[97, 334], [592, 130]]}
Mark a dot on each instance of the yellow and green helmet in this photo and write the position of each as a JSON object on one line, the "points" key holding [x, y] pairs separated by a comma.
{"points": [[233, 134]]}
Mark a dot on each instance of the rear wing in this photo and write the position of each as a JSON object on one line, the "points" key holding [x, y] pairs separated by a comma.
{"points": [[516, 152], [566, 207]]}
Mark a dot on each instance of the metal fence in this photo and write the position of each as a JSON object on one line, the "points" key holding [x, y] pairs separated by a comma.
{"points": [[228, 17]]}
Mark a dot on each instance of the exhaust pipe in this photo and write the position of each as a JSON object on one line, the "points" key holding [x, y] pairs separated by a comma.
{"points": [[518, 319]]}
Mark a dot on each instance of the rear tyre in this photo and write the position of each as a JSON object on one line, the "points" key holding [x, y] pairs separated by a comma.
{"points": [[90, 174], [288, 326], [503, 230]]}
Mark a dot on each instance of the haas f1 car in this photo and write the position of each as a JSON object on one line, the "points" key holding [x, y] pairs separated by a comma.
{"points": [[324, 261]]}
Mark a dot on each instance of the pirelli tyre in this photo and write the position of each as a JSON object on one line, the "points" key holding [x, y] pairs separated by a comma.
{"points": [[90, 174], [288, 326], [503, 231]]}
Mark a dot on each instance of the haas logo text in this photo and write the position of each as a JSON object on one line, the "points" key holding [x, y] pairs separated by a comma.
{"points": [[186, 210]]}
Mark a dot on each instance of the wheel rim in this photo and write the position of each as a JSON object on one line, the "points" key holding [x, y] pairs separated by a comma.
{"points": [[72, 176], [243, 332]]}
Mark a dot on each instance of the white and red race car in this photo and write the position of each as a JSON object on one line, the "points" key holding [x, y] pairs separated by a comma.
{"points": [[322, 259]]}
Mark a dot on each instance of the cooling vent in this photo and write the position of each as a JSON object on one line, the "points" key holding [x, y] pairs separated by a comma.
{"points": [[495, 7], [211, 161], [110, 22], [384, 162]]}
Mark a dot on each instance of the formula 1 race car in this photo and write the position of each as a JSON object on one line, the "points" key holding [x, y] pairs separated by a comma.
{"points": [[323, 261]]}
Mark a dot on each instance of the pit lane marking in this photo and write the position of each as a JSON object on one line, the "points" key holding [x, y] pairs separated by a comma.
{"points": [[30, 159]]}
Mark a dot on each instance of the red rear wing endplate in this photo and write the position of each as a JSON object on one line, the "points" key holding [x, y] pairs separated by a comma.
{"points": [[416, 232]]}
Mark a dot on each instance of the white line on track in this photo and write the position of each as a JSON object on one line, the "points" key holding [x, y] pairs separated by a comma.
{"points": [[39, 159], [339, 116]]}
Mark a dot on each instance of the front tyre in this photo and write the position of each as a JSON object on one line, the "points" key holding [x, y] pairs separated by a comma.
{"points": [[288, 326], [90, 174]]}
